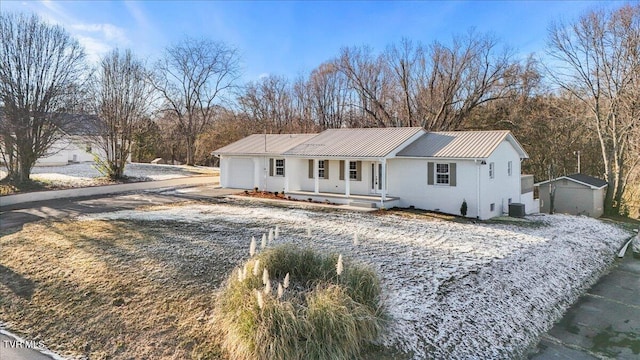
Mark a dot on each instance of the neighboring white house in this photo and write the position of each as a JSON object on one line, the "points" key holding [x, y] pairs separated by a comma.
{"points": [[81, 141], [385, 167], [77, 143]]}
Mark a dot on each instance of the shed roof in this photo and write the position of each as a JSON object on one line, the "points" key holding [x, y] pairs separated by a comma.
{"points": [[586, 180], [361, 142], [261, 144], [461, 144]]}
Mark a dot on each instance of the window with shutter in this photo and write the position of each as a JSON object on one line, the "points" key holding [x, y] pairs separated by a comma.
{"points": [[442, 174], [353, 170], [279, 167], [321, 171]]}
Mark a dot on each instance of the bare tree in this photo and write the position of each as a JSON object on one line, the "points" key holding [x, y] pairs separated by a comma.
{"points": [[192, 77], [436, 87], [599, 63], [121, 96], [328, 96], [454, 80], [269, 103], [402, 61], [366, 78], [41, 70]]}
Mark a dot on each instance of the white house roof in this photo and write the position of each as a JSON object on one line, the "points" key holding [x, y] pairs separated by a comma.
{"points": [[460, 144], [361, 142], [261, 144], [586, 180]]}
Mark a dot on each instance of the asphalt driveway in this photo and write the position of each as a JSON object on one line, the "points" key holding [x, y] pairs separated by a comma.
{"points": [[13, 217], [604, 323]]}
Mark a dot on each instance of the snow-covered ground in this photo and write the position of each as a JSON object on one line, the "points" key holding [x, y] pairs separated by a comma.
{"points": [[453, 290], [84, 174]]}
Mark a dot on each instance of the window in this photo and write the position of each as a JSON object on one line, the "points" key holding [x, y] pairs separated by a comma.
{"points": [[492, 170], [353, 170], [509, 168], [442, 174], [279, 167], [321, 169], [492, 207]]}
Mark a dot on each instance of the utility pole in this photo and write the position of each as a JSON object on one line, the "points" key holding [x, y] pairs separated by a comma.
{"points": [[552, 190], [578, 153]]}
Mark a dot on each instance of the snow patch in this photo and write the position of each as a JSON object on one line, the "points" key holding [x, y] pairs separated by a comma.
{"points": [[452, 290]]}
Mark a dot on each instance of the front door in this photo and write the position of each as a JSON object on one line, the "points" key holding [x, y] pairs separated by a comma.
{"points": [[376, 178]]}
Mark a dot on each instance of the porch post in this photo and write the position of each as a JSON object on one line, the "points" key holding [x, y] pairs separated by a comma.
{"points": [[347, 182], [384, 181], [286, 176], [315, 176]]}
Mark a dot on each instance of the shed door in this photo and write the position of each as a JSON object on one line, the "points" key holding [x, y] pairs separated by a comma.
{"points": [[241, 173]]}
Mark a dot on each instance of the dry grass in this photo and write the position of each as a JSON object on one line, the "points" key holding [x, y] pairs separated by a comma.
{"points": [[320, 315], [8, 188], [121, 289], [104, 290]]}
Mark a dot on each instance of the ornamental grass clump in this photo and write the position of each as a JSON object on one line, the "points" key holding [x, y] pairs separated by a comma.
{"points": [[312, 313]]}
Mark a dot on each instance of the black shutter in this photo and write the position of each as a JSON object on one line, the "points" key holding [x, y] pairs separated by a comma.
{"points": [[429, 173], [270, 167], [310, 169], [341, 169]]}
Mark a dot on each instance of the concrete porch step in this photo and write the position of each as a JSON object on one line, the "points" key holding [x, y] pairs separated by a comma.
{"points": [[364, 204]]}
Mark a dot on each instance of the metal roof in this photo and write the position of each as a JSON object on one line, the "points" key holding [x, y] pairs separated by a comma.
{"points": [[460, 144], [261, 144], [361, 142], [583, 179]]}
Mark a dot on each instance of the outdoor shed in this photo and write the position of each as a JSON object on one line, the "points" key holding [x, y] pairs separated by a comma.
{"points": [[576, 194]]}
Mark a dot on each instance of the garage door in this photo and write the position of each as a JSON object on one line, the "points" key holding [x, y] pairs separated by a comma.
{"points": [[241, 173]]}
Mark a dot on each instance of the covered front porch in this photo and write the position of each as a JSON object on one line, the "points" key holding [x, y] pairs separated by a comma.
{"points": [[368, 201], [352, 181]]}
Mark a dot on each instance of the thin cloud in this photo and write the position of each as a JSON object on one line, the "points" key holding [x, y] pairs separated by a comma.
{"points": [[93, 47], [142, 21], [108, 32]]}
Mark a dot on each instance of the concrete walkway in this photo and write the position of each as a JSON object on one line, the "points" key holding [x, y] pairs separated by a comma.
{"points": [[604, 323]]}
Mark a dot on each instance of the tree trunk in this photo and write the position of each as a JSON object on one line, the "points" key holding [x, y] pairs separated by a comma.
{"points": [[25, 164], [190, 151]]}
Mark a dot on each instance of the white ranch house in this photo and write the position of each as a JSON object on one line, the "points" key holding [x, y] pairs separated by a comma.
{"points": [[385, 167]]}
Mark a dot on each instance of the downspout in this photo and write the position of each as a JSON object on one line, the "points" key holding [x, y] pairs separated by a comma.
{"points": [[266, 172], [520, 187], [478, 164]]}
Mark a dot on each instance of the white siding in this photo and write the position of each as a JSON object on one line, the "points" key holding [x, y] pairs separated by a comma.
{"points": [[66, 150], [502, 187], [531, 205], [407, 179]]}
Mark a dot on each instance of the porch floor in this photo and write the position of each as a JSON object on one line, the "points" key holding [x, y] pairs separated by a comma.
{"points": [[373, 197]]}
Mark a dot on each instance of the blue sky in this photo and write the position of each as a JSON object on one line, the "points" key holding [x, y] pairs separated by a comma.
{"points": [[290, 38]]}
